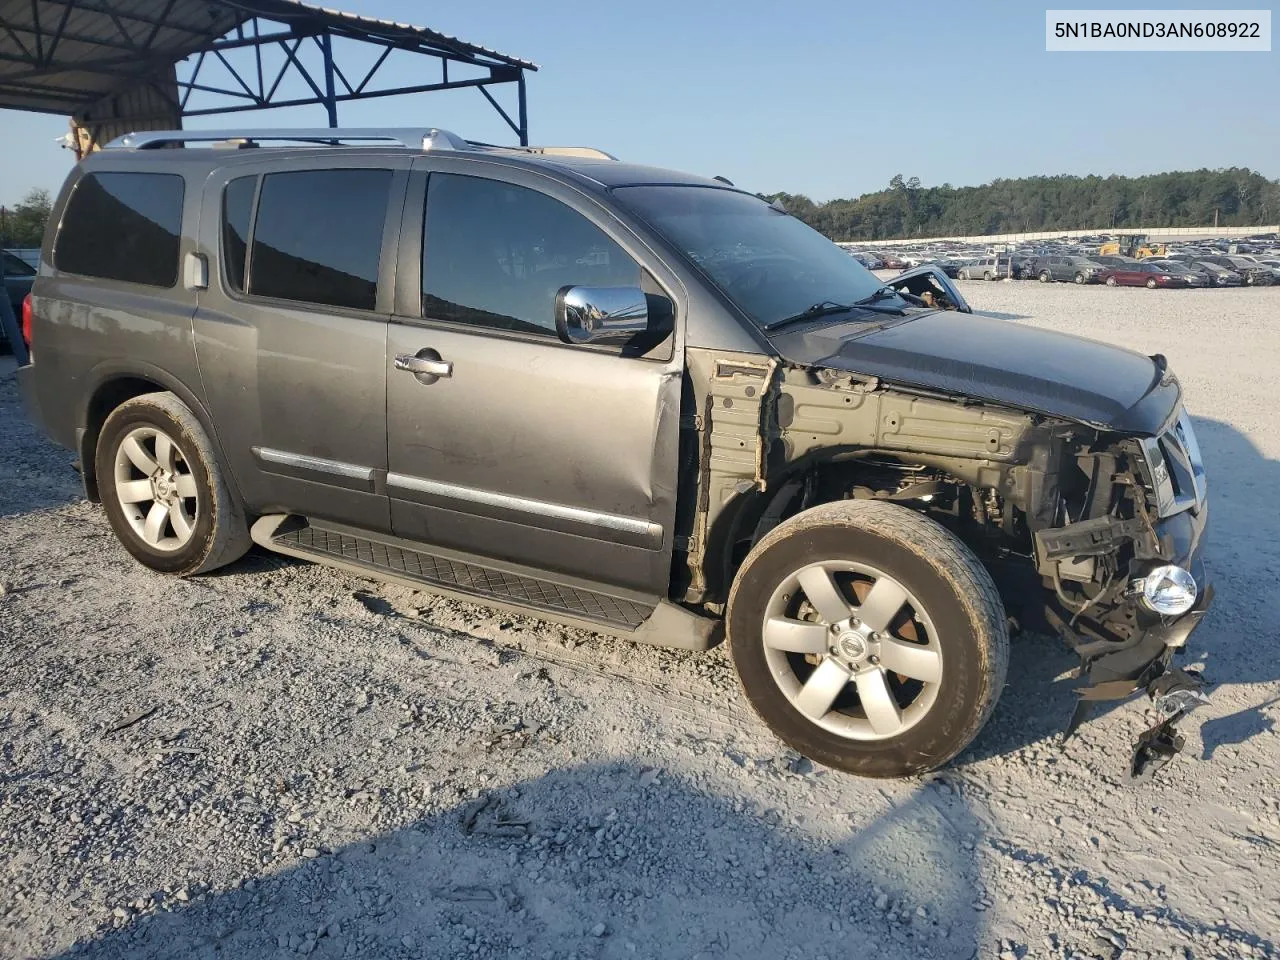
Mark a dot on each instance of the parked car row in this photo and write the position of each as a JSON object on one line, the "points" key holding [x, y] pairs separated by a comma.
{"points": [[1204, 264]]}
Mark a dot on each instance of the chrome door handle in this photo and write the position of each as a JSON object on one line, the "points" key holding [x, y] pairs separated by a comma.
{"points": [[424, 366]]}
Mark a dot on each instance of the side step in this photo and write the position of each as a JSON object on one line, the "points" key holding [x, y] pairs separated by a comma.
{"points": [[424, 567]]}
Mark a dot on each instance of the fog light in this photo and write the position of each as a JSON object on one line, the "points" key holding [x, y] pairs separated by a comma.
{"points": [[1168, 590]]}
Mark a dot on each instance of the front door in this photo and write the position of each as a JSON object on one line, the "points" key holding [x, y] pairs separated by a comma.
{"points": [[517, 446], [291, 331]]}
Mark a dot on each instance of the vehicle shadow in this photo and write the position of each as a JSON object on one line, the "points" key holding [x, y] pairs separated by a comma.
{"points": [[600, 861], [1236, 728], [1038, 699]]}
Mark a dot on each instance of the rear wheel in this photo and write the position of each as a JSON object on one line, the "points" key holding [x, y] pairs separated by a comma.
{"points": [[163, 491], [986, 275], [868, 638], [1046, 276]]}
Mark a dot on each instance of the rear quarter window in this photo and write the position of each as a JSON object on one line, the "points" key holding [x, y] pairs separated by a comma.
{"points": [[123, 226]]}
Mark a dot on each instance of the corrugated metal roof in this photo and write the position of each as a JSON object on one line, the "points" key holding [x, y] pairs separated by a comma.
{"points": [[385, 28], [58, 56]]}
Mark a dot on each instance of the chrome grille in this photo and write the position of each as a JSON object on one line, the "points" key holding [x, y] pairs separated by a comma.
{"points": [[1175, 469]]}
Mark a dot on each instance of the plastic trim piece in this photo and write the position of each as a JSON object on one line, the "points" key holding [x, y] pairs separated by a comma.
{"points": [[602, 521]]}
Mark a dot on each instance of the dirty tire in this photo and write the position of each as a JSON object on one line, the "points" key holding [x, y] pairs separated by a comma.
{"points": [[1046, 276], [935, 566], [220, 532]]}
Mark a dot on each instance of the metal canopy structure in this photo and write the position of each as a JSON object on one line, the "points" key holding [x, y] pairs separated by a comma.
{"points": [[147, 63]]}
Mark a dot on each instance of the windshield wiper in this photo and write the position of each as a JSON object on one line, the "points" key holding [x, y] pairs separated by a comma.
{"points": [[884, 293], [820, 309], [826, 307]]}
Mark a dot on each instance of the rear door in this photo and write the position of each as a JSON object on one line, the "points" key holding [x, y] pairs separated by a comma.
{"points": [[528, 450], [291, 331]]}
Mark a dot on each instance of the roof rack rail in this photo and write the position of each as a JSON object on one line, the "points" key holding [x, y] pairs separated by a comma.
{"points": [[414, 138], [590, 153]]}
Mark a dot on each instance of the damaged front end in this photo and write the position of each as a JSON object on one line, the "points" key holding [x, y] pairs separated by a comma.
{"points": [[1094, 530], [1128, 577]]}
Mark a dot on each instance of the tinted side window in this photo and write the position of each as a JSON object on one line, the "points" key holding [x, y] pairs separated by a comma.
{"points": [[237, 207], [318, 236], [496, 255], [123, 226]]}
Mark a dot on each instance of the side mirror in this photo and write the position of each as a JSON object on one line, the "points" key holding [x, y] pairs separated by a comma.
{"points": [[609, 315]]}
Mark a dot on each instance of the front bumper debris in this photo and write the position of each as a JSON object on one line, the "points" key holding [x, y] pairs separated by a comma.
{"points": [[1114, 672], [1174, 694]]}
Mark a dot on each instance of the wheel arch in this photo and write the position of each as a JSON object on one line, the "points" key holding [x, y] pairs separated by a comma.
{"points": [[116, 382], [799, 485]]}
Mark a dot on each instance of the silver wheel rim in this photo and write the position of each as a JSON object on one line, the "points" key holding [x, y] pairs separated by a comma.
{"points": [[852, 650], [156, 489]]}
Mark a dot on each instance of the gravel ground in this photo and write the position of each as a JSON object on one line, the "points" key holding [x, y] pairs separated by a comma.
{"points": [[282, 759]]}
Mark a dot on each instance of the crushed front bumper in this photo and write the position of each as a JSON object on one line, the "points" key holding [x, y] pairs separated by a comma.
{"points": [[1144, 662]]}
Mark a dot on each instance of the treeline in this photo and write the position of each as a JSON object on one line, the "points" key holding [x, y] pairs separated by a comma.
{"points": [[22, 225], [1236, 196]]}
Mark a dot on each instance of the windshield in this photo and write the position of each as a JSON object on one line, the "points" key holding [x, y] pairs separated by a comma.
{"points": [[768, 263]]}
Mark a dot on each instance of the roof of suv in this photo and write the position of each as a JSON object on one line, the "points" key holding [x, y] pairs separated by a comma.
{"points": [[582, 163]]}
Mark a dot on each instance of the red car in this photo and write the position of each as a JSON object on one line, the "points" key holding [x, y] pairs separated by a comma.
{"points": [[1141, 275]]}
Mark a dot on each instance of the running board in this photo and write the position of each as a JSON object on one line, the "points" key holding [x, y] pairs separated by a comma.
{"points": [[423, 567]]}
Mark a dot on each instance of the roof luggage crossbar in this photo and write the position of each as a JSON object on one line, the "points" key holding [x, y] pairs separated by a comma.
{"points": [[411, 138]]}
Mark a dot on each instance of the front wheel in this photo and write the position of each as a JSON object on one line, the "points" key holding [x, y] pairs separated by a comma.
{"points": [[1046, 276], [1081, 278], [1151, 284], [1111, 281], [868, 637]]}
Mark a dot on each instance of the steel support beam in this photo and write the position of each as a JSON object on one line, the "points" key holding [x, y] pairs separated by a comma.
{"points": [[524, 112], [341, 97], [136, 48], [330, 96]]}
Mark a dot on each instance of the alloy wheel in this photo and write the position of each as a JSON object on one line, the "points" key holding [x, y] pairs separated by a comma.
{"points": [[157, 491], [852, 650]]}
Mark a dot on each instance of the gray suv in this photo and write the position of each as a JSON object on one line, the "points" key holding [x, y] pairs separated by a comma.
{"points": [[624, 398], [1073, 269]]}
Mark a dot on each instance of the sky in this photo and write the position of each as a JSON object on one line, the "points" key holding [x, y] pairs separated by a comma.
{"points": [[829, 99]]}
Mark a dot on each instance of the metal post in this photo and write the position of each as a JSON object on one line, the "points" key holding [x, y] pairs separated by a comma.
{"points": [[330, 97], [524, 112]]}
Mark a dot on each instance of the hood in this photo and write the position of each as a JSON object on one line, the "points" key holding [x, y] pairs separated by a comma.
{"points": [[1004, 362]]}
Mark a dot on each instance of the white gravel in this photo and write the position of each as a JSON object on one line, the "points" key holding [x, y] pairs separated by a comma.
{"points": [[323, 765]]}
